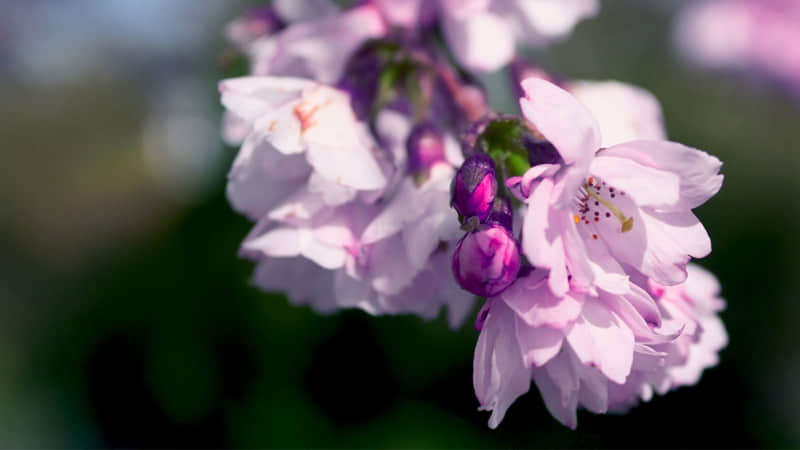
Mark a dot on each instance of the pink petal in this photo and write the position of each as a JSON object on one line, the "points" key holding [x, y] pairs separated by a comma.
{"points": [[319, 49], [281, 242], [261, 177], [547, 20], [327, 256], [521, 186], [575, 253], [338, 147], [250, 97], [624, 112], [303, 10], [538, 344], [672, 239], [541, 237], [401, 210], [698, 172], [350, 292], [599, 338], [300, 279], [282, 129], [499, 375], [642, 331], [562, 119], [645, 185], [425, 235], [593, 393], [482, 41], [407, 13], [329, 192], [703, 287], [530, 297], [390, 267], [559, 384]]}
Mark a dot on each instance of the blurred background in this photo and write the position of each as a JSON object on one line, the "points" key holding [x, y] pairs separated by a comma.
{"points": [[128, 321]]}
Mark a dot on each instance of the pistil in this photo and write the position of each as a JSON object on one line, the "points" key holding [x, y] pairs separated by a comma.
{"points": [[627, 222]]}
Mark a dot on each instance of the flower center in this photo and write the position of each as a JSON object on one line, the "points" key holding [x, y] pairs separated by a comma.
{"points": [[592, 192]]}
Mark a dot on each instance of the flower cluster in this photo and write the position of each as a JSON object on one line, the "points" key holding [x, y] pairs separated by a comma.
{"points": [[749, 35], [379, 178]]}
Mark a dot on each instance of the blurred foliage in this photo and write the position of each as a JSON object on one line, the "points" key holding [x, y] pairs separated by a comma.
{"points": [[129, 321]]}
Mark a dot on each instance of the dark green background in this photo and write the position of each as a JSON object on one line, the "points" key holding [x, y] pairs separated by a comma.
{"points": [[128, 321]]}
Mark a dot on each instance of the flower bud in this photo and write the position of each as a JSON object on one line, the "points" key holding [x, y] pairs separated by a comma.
{"points": [[425, 147], [501, 213], [360, 78], [540, 150], [486, 261], [474, 187], [256, 22]]}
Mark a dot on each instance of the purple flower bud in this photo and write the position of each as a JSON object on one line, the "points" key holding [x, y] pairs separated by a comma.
{"points": [[474, 187], [540, 150], [486, 261], [425, 146], [360, 78], [262, 20], [501, 213]]}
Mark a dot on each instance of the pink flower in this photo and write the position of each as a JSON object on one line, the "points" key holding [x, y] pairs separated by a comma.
{"points": [[311, 174], [482, 33], [628, 204], [317, 49], [694, 303], [623, 112], [750, 35], [262, 21], [300, 131], [600, 352], [528, 332]]}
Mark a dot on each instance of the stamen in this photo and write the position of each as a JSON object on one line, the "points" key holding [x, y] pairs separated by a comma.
{"points": [[627, 222]]}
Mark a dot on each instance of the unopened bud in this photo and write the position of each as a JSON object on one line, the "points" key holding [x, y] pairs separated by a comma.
{"points": [[474, 187], [501, 213], [425, 146], [486, 261]]}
